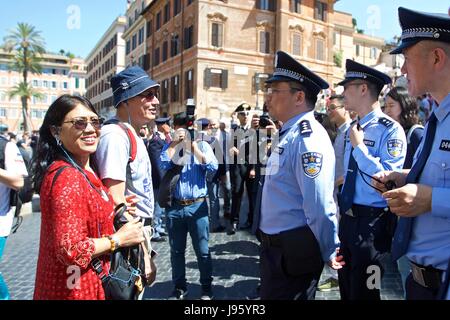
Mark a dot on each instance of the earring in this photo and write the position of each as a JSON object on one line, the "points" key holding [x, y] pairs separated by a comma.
{"points": [[58, 141]]}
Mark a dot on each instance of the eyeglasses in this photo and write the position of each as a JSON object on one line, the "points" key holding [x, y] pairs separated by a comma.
{"points": [[333, 107], [273, 90], [149, 95], [81, 123]]}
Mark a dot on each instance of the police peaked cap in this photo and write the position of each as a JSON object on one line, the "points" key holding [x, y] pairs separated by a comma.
{"points": [[244, 106], [162, 120], [289, 69], [418, 26], [358, 71]]}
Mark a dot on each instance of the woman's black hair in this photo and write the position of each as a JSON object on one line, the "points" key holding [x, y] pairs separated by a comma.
{"points": [[47, 149], [410, 108]]}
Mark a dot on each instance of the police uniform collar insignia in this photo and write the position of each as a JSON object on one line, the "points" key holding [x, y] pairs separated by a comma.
{"points": [[385, 121], [305, 127], [312, 164], [417, 26]]}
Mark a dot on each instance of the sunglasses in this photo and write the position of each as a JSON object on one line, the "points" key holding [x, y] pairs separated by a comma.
{"points": [[149, 95], [81, 123]]}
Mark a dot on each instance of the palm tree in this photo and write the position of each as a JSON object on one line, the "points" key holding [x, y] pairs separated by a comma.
{"points": [[28, 45], [25, 91]]}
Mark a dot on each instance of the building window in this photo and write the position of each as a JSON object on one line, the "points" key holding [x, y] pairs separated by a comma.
{"points": [[165, 91], [134, 42], [165, 50], [188, 37], [264, 42], [149, 28], [167, 12], [176, 7], [175, 45], [357, 50], [320, 11], [3, 113], [216, 78], [373, 53], [295, 6], [65, 85], [189, 84], [189, 2], [35, 83], [217, 34], [141, 35], [296, 44], [266, 5], [156, 57], [175, 89], [158, 20], [53, 84], [320, 49]]}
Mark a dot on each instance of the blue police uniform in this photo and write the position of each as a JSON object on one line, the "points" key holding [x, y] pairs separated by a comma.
{"points": [[425, 238], [297, 225], [366, 226]]}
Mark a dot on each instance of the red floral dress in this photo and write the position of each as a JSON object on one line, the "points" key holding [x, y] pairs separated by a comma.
{"points": [[72, 213]]}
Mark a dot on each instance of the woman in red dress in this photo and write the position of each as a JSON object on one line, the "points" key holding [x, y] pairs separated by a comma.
{"points": [[76, 209]]}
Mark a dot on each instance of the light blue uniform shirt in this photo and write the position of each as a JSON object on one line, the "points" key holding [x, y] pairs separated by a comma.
{"points": [[384, 148], [299, 183], [192, 182], [430, 239]]}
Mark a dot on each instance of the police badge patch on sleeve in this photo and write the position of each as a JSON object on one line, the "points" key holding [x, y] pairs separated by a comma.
{"points": [[312, 164], [395, 147]]}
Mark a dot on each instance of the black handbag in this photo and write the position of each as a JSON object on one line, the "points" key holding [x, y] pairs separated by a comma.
{"points": [[121, 281]]}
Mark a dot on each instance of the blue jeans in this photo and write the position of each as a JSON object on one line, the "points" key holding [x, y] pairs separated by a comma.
{"points": [[158, 215], [214, 205], [4, 293], [180, 221]]}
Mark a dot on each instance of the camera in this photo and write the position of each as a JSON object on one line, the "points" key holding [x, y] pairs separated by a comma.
{"points": [[190, 117], [264, 120]]}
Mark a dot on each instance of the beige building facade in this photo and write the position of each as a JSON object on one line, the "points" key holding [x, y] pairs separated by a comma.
{"points": [[220, 52], [103, 62], [135, 34], [60, 75]]}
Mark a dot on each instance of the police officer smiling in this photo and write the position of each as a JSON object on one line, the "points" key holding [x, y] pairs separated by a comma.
{"points": [[298, 227], [375, 142]]}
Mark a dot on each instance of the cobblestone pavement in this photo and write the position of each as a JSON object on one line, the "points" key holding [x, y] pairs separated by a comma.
{"points": [[235, 267]]}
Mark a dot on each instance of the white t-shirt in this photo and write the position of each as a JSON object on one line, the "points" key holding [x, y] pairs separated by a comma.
{"points": [[13, 164], [112, 157]]}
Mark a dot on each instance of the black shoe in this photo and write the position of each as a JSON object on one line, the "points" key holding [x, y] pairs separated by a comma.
{"points": [[206, 295], [231, 229], [178, 294], [246, 226], [158, 239], [218, 229]]}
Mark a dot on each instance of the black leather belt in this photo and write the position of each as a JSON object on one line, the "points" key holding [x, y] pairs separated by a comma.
{"points": [[428, 277], [269, 240]]}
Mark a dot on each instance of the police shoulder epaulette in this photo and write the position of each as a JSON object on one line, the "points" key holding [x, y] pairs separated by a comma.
{"points": [[305, 127], [385, 121]]}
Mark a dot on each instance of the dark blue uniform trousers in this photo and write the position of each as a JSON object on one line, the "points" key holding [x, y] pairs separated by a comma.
{"points": [[276, 284], [365, 242]]}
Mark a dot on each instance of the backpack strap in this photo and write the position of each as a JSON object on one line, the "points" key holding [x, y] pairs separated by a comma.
{"points": [[3, 143], [132, 154], [411, 131]]}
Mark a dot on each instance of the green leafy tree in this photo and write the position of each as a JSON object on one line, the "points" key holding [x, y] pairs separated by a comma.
{"points": [[28, 46]]}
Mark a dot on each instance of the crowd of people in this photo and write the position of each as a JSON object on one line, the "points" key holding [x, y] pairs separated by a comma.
{"points": [[347, 188]]}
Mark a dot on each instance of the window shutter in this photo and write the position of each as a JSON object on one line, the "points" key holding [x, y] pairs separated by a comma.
{"points": [[207, 76], [224, 79]]}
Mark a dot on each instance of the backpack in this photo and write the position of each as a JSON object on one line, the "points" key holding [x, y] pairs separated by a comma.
{"points": [[25, 194]]}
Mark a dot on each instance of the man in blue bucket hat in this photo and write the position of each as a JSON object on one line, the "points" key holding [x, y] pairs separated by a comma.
{"points": [[122, 158]]}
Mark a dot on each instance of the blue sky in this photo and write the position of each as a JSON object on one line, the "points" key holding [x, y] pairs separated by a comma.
{"points": [[61, 28]]}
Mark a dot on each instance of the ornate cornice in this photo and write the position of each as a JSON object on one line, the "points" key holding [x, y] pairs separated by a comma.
{"points": [[296, 27], [217, 16]]}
